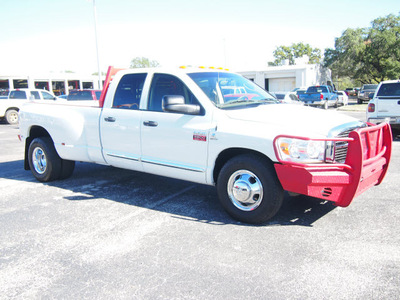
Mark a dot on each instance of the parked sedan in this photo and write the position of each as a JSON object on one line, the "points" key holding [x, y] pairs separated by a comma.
{"points": [[87, 97], [80, 95], [343, 99], [351, 92], [288, 97]]}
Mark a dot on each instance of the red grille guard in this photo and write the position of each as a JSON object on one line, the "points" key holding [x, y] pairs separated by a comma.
{"points": [[367, 160]]}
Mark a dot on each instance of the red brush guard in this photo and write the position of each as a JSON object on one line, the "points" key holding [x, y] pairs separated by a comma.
{"points": [[367, 161]]}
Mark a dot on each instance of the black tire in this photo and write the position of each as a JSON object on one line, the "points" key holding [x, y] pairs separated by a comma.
{"points": [[12, 116], [44, 162], [359, 101], [249, 189], [67, 168]]}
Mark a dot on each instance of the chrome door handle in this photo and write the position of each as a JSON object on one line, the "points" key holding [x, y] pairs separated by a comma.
{"points": [[150, 123], [109, 119]]}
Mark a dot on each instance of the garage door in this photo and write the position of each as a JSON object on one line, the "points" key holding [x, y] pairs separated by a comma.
{"points": [[285, 84]]}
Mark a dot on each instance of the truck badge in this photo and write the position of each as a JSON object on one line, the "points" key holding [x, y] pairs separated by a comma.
{"points": [[199, 136]]}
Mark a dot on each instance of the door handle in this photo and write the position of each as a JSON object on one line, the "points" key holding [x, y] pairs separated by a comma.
{"points": [[109, 119], [150, 123]]}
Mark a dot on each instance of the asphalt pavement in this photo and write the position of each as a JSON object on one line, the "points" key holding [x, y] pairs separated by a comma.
{"points": [[110, 233]]}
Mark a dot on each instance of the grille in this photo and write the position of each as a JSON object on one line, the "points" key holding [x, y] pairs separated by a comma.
{"points": [[341, 147]]}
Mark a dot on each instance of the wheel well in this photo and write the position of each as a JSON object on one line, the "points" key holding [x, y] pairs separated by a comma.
{"points": [[35, 131], [13, 108], [228, 154]]}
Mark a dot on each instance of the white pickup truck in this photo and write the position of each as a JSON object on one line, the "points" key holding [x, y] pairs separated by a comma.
{"points": [[385, 105], [10, 106], [180, 123]]}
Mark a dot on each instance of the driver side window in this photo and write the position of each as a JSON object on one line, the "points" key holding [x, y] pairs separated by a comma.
{"points": [[163, 85]]}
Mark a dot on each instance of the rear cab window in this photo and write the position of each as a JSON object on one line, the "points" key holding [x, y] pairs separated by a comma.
{"points": [[389, 90], [129, 91], [317, 89]]}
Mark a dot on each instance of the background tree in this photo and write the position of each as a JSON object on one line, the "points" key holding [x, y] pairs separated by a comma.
{"points": [[294, 51], [367, 55], [143, 62]]}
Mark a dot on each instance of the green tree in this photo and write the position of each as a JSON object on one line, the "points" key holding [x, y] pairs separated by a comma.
{"points": [[367, 55], [294, 51], [143, 62]]}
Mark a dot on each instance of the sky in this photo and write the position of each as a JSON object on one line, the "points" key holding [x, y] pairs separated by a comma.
{"points": [[59, 35]]}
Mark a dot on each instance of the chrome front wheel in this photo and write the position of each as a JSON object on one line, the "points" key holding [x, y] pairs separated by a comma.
{"points": [[248, 188], [245, 190]]}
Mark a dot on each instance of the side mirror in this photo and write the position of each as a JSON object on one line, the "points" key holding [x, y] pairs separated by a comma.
{"points": [[176, 103]]}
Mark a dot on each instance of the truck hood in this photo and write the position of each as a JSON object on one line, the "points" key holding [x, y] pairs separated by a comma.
{"points": [[292, 119]]}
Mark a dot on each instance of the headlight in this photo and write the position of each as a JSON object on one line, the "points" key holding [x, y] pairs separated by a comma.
{"points": [[302, 151]]}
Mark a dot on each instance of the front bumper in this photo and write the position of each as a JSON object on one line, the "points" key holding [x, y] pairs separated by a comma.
{"points": [[367, 161]]}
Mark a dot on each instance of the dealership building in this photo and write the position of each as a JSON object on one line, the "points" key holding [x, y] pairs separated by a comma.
{"points": [[57, 83], [274, 79], [286, 78]]}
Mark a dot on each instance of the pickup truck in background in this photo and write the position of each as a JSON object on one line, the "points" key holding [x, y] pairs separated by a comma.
{"points": [[365, 93], [10, 106], [320, 95], [385, 105], [179, 123]]}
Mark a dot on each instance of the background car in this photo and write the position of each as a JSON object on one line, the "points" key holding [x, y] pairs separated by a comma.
{"points": [[351, 92], [77, 95], [343, 99], [288, 97], [86, 97]]}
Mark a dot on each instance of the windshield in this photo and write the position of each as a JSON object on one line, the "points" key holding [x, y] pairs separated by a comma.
{"points": [[228, 90]]}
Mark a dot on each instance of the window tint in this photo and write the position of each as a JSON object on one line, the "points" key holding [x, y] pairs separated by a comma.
{"points": [[129, 91], [98, 94], [18, 95], [163, 85], [35, 95], [47, 96], [389, 89]]}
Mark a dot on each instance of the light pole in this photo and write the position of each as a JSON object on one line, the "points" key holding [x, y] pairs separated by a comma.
{"points": [[97, 46]]}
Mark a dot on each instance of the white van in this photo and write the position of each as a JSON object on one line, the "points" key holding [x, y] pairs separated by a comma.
{"points": [[10, 106]]}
